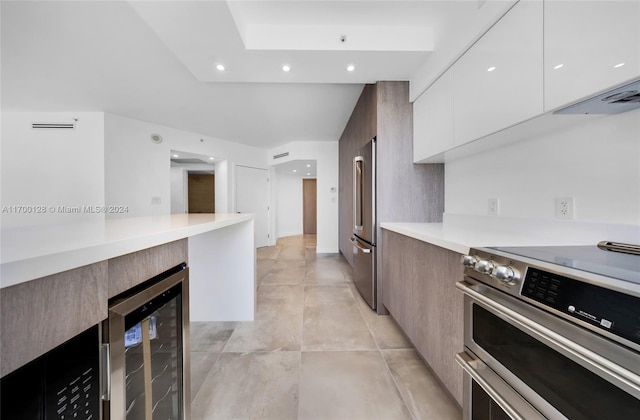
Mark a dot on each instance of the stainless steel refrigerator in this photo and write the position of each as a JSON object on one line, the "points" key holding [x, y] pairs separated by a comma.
{"points": [[364, 221]]}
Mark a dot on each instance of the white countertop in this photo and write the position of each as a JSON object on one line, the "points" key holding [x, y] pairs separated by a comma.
{"points": [[31, 252], [460, 233]]}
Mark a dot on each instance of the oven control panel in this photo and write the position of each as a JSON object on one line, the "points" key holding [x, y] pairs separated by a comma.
{"points": [[494, 270], [608, 310], [603, 309]]}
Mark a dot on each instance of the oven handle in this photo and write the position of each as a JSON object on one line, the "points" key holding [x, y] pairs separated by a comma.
{"points": [[621, 374], [491, 382]]}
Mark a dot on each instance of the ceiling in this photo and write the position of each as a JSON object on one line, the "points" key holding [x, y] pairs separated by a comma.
{"points": [[298, 168], [156, 60], [187, 158]]}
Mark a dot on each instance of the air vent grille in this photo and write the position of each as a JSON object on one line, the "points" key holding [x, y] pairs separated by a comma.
{"points": [[65, 126], [281, 155]]}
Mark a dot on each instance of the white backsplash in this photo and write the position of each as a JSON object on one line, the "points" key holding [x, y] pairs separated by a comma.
{"points": [[596, 162]]}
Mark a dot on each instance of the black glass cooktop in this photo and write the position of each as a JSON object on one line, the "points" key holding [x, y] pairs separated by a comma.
{"points": [[585, 258]]}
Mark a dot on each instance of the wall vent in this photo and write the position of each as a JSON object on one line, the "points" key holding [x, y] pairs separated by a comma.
{"points": [[67, 126], [281, 155]]}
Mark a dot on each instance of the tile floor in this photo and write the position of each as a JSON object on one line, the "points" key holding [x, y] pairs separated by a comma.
{"points": [[314, 351]]}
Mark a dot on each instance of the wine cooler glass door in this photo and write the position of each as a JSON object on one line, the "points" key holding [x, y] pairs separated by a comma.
{"points": [[148, 358]]}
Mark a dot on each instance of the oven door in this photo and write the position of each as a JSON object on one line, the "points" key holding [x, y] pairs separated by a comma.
{"points": [[560, 369]]}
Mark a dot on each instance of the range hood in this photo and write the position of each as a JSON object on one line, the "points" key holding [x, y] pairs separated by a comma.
{"points": [[622, 99]]}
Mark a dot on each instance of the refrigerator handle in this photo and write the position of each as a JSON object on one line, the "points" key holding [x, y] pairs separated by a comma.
{"points": [[360, 247], [358, 191]]}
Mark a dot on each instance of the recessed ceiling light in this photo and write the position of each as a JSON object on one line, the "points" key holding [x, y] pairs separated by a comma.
{"points": [[286, 68], [308, 173], [618, 65], [308, 166], [212, 158], [351, 67], [294, 170], [559, 66], [176, 156], [220, 67], [491, 69]]}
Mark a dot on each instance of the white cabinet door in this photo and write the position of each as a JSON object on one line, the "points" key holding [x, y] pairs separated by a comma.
{"points": [[589, 46], [498, 82], [433, 120]]}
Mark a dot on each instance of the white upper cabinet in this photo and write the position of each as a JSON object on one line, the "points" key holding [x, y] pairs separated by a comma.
{"points": [[433, 120], [589, 46], [499, 81]]}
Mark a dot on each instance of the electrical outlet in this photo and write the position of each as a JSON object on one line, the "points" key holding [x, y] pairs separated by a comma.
{"points": [[564, 208], [494, 206]]}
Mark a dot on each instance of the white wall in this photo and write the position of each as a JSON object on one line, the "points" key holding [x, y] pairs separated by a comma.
{"points": [[52, 168], [178, 190], [137, 171], [288, 202], [326, 155], [222, 186], [596, 162]]}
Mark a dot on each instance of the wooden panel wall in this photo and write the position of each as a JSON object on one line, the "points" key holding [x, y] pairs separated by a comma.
{"points": [[421, 296], [132, 269], [359, 130], [41, 314]]}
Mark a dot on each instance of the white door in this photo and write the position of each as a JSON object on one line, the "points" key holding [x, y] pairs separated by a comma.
{"points": [[252, 196]]}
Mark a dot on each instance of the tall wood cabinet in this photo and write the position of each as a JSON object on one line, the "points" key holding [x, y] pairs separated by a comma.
{"points": [[406, 192]]}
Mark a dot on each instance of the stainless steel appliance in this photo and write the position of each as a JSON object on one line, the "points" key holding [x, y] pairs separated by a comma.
{"points": [[551, 332], [148, 350], [62, 384], [364, 221]]}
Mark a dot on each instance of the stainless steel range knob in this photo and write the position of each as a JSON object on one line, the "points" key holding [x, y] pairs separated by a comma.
{"points": [[469, 261], [506, 274], [485, 267]]}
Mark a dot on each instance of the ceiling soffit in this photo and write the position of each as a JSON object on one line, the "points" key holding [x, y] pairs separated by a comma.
{"points": [[338, 38], [318, 40]]}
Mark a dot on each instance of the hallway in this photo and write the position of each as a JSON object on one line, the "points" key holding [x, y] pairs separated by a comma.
{"points": [[314, 351]]}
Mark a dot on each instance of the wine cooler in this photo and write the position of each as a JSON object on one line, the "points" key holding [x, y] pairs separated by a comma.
{"points": [[148, 350]]}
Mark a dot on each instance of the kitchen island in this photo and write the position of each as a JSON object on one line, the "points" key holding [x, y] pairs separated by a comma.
{"points": [[31, 252], [57, 279]]}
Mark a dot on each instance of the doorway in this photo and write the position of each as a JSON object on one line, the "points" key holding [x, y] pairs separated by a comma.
{"points": [[309, 204], [193, 183], [201, 193]]}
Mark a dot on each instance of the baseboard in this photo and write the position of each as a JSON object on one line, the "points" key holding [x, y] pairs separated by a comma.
{"points": [[283, 234]]}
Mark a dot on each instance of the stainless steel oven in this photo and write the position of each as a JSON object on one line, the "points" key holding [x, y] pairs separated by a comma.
{"points": [[548, 337]]}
